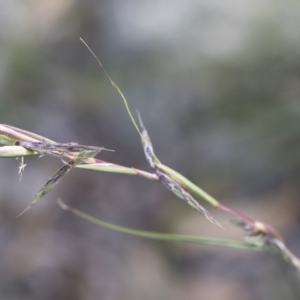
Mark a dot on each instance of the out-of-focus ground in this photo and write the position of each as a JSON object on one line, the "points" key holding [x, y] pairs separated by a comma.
{"points": [[218, 86]]}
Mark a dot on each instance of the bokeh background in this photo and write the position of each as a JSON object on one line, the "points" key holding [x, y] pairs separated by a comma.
{"points": [[218, 86]]}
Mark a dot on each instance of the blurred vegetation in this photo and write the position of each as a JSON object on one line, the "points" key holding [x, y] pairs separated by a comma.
{"points": [[217, 85]]}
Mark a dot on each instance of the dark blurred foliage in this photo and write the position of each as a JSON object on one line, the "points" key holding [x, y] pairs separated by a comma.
{"points": [[218, 86]]}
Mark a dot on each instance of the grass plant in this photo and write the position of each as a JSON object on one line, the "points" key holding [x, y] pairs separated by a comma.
{"points": [[256, 235]]}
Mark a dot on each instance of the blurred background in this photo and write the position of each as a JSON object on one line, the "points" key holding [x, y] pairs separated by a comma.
{"points": [[218, 86]]}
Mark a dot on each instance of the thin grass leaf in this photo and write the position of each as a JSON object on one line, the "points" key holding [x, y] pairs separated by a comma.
{"points": [[49, 185], [161, 236], [114, 85], [118, 90]]}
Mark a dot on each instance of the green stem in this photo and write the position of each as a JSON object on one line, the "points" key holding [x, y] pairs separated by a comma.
{"points": [[162, 236], [112, 168]]}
